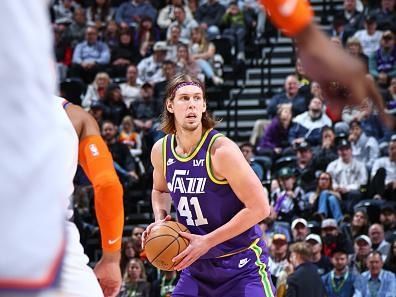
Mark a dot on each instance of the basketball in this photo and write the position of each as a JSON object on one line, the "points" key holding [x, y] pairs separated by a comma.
{"points": [[164, 243]]}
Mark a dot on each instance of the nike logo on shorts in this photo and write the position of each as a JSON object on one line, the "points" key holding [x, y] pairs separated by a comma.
{"points": [[243, 262]]}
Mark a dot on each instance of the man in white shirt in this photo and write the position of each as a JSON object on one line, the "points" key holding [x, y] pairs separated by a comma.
{"points": [[383, 174], [369, 37], [348, 175], [150, 68]]}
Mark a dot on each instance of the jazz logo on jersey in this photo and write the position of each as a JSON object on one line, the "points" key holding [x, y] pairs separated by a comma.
{"points": [[94, 150], [186, 185], [197, 163]]}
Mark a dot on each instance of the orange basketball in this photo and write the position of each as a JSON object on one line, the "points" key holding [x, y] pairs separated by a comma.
{"points": [[164, 243]]}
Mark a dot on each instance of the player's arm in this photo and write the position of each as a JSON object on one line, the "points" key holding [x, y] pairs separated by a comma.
{"points": [[160, 197], [226, 157]]}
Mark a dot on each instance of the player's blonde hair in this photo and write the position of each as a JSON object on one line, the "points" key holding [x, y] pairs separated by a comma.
{"points": [[167, 118]]}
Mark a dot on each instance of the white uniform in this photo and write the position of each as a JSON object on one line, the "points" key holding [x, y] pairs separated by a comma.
{"points": [[77, 278], [32, 168]]}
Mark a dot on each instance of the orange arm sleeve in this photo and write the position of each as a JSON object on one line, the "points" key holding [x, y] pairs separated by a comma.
{"points": [[290, 16], [97, 162]]}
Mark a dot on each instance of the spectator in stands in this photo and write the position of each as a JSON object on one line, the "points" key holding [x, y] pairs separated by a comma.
{"points": [[364, 149], [172, 42], [288, 200], [390, 263], [165, 285], [390, 96], [327, 152], [377, 281], [322, 262], [300, 282], [185, 24], [135, 280], [384, 58], [76, 30], [123, 54], [63, 10], [90, 56], [386, 15], [168, 71], [333, 239], [127, 253], [354, 47], [275, 136], [236, 24], [308, 125], [290, 95], [303, 81], [325, 200], [110, 35], [299, 229], [338, 29], [150, 68], [130, 90], [167, 14], [97, 110], [136, 235], [97, 90], [369, 37], [357, 261], [185, 63], [377, 236], [131, 12], [278, 254], [353, 18], [348, 174], [247, 150], [340, 282], [305, 167], [203, 52], [209, 15], [358, 226], [63, 51], [123, 161], [388, 220], [130, 137], [100, 13], [116, 109], [145, 36]]}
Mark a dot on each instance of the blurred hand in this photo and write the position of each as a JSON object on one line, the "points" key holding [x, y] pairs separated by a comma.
{"points": [[149, 227], [198, 246], [108, 272]]}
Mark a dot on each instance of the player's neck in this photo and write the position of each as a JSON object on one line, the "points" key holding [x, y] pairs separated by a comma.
{"points": [[187, 141]]}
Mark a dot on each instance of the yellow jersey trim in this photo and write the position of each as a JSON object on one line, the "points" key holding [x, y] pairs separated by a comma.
{"points": [[209, 164], [194, 153]]}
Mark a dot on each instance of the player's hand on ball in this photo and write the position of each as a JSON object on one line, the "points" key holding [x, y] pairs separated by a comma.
{"points": [[149, 227], [199, 245]]}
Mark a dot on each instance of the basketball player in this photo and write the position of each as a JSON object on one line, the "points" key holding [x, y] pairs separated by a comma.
{"points": [[217, 196], [87, 146]]}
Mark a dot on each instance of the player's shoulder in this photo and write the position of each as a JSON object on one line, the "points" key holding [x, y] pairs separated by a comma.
{"points": [[158, 149], [223, 146]]}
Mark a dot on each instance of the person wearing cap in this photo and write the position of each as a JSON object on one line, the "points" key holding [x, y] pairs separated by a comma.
{"points": [[383, 60], [340, 282], [288, 200], [306, 167], [321, 261], [305, 280], [97, 110], [383, 174], [332, 238], [348, 175], [308, 125], [388, 220], [150, 68], [377, 236], [278, 254], [376, 281], [369, 37], [362, 248], [364, 148], [299, 229]]}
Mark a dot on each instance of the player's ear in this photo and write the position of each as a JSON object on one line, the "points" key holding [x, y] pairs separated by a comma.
{"points": [[169, 105], [204, 106]]}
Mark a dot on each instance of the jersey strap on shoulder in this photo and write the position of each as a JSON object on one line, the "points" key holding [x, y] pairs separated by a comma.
{"points": [[290, 16], [65, 103]]}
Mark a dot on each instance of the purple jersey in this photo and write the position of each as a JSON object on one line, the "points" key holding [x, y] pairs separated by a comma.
{"points": [[202, 202]]}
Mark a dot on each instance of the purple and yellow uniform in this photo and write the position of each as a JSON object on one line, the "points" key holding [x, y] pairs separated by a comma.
{"points": [[236, 267]]}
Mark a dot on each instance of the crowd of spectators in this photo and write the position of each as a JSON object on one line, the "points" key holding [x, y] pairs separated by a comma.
{"points": [[332, 179]]}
